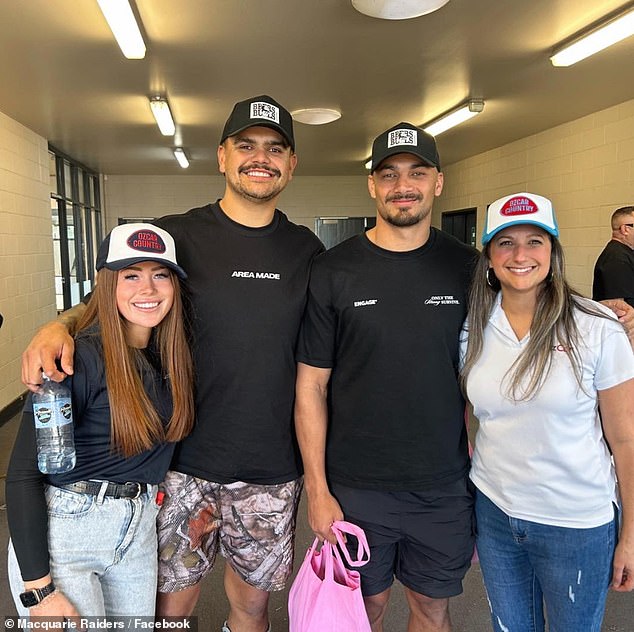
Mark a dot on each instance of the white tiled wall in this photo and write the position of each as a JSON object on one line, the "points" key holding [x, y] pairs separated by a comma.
{"points": [[586, 167], [27, 295]]}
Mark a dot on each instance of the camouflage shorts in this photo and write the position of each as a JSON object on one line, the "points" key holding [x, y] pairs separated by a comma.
{"points": [[254, 525]]}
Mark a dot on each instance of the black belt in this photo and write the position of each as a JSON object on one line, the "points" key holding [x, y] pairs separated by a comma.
{"points": [[113, 490]]}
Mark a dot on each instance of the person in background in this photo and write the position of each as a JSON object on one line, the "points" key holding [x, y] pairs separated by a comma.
{"points": [[84, 541], [614, 269], [235, 482], [540, 364], [379, 412]]}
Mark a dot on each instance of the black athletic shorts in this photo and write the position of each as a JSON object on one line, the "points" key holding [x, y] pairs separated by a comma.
{"points": [[424, 539]]}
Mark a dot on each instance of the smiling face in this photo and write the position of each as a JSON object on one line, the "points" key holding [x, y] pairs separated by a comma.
{"points": [[145, 294], [404, 189], [257, 163], [520, 258]]}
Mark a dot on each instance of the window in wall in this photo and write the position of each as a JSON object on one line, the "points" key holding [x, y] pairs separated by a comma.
{"points": [[333, 230], [76, 222], [461, 224]]}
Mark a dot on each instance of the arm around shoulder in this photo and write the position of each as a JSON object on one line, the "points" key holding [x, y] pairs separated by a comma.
{"points": [[625, 313], [51, 342]]}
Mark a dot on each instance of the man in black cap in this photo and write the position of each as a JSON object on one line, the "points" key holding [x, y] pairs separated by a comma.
{"points": [[379, 413], [236, 480]]}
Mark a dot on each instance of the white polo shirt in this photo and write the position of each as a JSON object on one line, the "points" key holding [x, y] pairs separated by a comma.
{"points": [[545, 460]]}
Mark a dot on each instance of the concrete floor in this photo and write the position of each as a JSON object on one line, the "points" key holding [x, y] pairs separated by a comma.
{"points": [[469, 611]]}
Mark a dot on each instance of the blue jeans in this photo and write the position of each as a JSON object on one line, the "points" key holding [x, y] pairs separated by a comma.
{"points": [[526, 565], [103, 553]]}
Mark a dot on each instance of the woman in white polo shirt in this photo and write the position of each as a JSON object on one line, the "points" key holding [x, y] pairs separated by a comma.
{"points": [[539, 363]]}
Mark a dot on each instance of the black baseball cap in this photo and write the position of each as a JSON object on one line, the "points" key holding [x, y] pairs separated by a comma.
{"points": [[405, 138], [259, 111]]}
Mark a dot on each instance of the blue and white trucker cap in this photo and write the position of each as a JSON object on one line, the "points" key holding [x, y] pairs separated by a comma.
{"points": [[519, 208]]}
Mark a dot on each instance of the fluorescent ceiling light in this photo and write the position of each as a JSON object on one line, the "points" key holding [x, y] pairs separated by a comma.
{"points": [[610, 33], [455, 117], [124, 27], [397, 9], [179, 154], [163, 115], [316, 116]]}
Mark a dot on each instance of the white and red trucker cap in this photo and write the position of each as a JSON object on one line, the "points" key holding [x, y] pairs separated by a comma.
{"points": [[128, 244], [519, 208]]}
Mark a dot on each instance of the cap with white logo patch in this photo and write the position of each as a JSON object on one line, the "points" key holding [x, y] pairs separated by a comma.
{"points": [[405, 138], [259, 111]]}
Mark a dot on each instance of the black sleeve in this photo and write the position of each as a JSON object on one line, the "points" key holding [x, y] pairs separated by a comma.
{"points": [[26, 505], [27, 511], [317, 334], [616, 278]]}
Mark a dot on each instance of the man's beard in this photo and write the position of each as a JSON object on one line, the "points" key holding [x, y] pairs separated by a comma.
{"points": [[404, 218]]}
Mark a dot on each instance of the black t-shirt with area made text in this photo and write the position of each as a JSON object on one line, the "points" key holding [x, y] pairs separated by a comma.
{"points": [[247, 288]]}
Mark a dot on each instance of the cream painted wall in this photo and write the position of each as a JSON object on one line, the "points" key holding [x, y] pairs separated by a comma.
{"points": [[586, 167], [27, 293], [305, 198]]}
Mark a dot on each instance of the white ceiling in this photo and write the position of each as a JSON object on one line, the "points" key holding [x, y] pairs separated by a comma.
{"points": [[63, 76]]}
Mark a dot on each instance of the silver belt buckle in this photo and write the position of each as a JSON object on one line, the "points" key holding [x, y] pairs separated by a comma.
{"points": [[138, 489]]}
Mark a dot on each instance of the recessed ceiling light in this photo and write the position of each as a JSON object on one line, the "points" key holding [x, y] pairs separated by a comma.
{"points": [[397, 9], [316, 116]]}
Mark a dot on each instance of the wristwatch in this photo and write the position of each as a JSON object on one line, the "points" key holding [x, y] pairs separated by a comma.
{"points": [[32, 597]]}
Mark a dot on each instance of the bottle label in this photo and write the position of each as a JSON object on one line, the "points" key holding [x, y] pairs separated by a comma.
{"points": [[49, 414]]}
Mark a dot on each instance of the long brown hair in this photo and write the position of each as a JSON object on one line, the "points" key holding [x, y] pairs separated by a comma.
{"points": [[135, 423], [553, 323]]}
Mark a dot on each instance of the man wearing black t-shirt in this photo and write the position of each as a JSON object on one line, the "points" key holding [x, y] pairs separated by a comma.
{"points": [[614, 269], [236, 480], [379, 413]]}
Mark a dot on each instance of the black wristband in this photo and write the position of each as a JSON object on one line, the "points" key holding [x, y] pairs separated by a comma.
{"points": [[31, 598]]}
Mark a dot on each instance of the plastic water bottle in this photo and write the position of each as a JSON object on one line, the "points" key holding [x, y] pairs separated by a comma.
{"points": [[54, 434]]}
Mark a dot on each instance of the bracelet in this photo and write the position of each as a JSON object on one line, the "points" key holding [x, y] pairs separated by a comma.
{"points": [[46, 598]]}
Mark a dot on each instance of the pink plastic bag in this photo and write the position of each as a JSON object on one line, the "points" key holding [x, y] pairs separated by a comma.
{"points": [[326, 596]]}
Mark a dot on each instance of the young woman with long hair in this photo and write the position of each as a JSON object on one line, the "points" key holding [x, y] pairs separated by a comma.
{"points": [[84, 541], [550, 375]]}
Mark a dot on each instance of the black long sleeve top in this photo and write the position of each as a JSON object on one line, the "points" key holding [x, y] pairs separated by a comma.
{"points": [[26, 504]]}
